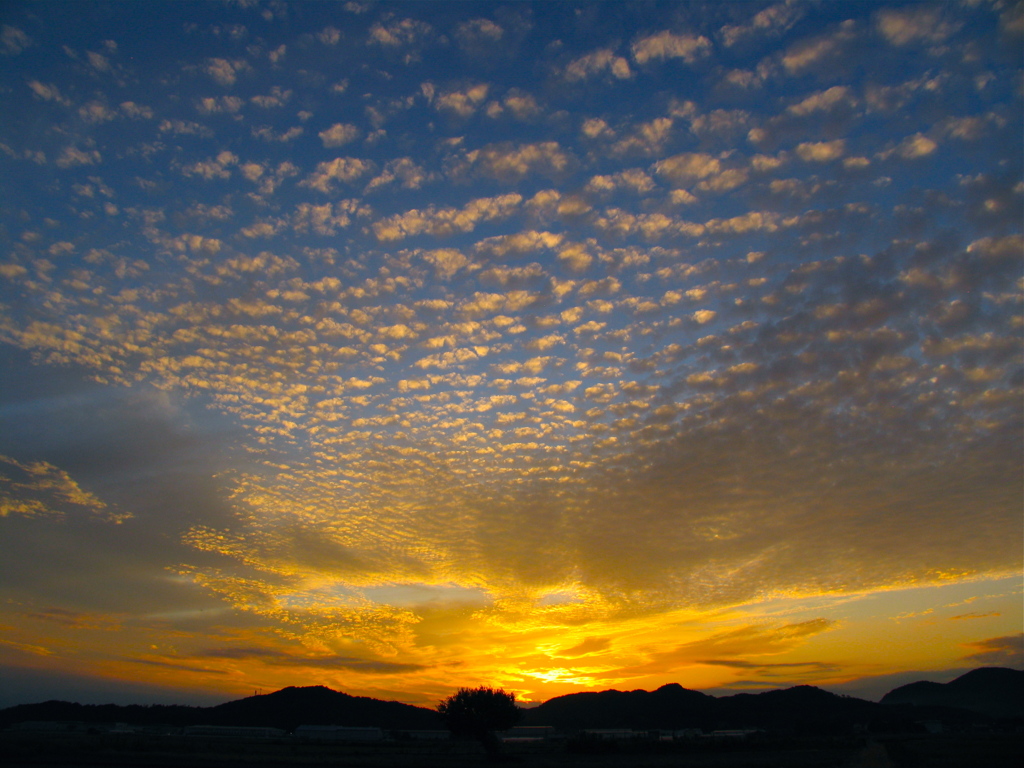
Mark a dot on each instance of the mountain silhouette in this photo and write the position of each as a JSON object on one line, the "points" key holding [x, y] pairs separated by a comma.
{"points": [[972, 698], [317, 705], [136, 714], [671, 706], [992, 691], [287, 708], [802, 708], [674, 707]]}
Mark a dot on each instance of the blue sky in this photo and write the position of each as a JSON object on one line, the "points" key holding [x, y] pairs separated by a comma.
{"points": [[351, 343]]}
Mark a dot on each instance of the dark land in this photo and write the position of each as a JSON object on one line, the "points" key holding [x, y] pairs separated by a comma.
{"points": [[975, 720]]}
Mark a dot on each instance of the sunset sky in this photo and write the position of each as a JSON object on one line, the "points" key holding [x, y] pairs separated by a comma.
{"points": [[398, 347]]}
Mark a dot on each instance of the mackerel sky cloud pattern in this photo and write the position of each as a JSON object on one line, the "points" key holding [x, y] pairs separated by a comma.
{"points": [[389, 332]]}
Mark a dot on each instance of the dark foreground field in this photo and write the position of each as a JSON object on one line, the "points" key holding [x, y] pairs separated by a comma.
{"points": [[950, 751]]}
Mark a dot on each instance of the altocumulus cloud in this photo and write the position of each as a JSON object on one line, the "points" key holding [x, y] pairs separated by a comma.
{"points": [[566, 342]]}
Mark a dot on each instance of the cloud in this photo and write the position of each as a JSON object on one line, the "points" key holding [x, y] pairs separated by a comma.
{"points": [[98, 61], [218, 105], [922, 24], [402, 169], [632, 179], [773, 21], [401, 33], [72, 156], [517, 244], [41, 489], [329, 35], [510, 162], [214, 168], [326, 219], [823, 101], [478, 36], [446, 221], [184, 128], [815, 53], [462, 103], [589, 646], [666, 45], [225, 72], [596, 63], [821, 151], [628, 373], [339, 134], [521, 105], [1005, 651], [446, 261], [277, 97], [136, 112], [687, 167], [48, 92], [96, 112], [645, 139], [284, 658], [13, 40], [341, 169], [915, 146], [268, 134], [735, 645]]}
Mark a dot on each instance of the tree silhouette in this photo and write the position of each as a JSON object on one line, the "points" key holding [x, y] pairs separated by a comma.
{"points": [[478, 713]]}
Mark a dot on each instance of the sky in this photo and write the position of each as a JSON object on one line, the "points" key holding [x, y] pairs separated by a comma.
{"points": [[401, 347]]}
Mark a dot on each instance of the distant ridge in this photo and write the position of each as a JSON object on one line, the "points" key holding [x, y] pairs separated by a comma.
{"points": [[674, 707], [983, 693], [287, 708], [317, 705], [992, 691], [668, 707]]}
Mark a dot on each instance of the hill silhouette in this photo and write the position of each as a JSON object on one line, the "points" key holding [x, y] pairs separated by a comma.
{"points": [[801, 708], [972, 698], [992, 691], [136, 714], [287, 708], [318, 705], [674, 707], [670, 706]]}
